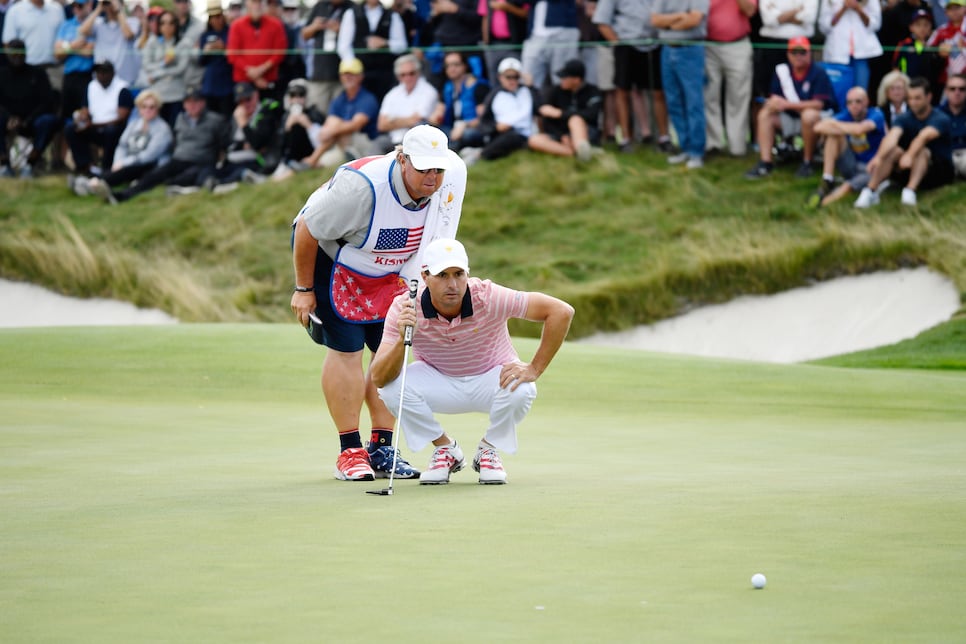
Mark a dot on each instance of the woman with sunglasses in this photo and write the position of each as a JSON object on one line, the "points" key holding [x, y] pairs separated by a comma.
{"points": [[165, 61], [145, 142]]}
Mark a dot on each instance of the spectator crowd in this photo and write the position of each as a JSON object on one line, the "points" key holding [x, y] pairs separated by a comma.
{"points": [[860, 94]]}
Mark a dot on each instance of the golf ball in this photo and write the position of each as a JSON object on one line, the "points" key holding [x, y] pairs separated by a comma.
{"points": [[758, 580]]}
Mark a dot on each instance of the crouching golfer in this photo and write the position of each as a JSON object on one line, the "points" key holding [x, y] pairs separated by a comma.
{"points": [[463, 360]]}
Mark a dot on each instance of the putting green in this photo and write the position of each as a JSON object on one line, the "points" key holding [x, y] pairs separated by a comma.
{"points": [[174, 484]]}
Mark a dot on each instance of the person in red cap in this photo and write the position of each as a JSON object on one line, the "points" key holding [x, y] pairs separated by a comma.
{"points": [[801, 94]]}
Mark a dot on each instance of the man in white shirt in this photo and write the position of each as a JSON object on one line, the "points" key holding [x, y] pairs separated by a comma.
{"points": [[508, 118], [408, 104]]}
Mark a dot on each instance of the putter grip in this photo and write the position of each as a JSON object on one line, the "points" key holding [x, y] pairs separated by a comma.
{"points": [[408, 334]]}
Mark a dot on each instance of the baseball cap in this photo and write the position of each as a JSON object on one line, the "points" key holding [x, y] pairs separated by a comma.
{"points": [[441, 254], [243, 91], [921, 13], [297, 87], [290, 4], [193, 92], [351, 66], [573, 68], [961, 3], [509, 64], [799, 42], [427, 147]]}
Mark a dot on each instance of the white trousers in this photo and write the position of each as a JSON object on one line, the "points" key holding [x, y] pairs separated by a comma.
{"points": [[429, 392], [729, 63]]}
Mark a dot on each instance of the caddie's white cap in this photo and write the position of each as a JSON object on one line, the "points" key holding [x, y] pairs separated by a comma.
{"points": [[427, 147], [444, 253]]}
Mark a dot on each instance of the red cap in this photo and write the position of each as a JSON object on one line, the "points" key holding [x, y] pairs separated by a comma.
{"points": [[799, 42]]}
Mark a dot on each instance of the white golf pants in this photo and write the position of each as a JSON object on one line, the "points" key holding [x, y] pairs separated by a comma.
{"points": [[429, 392]]}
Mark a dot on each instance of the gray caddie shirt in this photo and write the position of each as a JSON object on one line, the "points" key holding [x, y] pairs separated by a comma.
{"points": [[344, 209], [679, 6]]}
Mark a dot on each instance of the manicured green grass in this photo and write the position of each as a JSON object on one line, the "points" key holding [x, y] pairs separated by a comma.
{"points": [[174, 484]]}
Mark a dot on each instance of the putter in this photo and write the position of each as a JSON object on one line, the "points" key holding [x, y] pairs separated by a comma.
{"points": [[407, 342]]}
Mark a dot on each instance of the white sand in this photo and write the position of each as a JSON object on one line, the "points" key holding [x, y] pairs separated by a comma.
{"points": [[831, 318], [28, 305], [839, 316]]}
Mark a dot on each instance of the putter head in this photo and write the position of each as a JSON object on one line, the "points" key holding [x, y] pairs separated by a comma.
{"points": [[383, 492]]}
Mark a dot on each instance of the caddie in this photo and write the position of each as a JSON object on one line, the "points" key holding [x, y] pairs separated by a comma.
{"points": [[355, 245]]}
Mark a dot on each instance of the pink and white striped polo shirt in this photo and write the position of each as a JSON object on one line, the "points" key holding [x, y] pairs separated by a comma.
{"points": [[473, 342]]}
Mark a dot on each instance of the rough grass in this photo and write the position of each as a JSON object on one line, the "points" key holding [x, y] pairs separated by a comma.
{"points": [[627, 239]]}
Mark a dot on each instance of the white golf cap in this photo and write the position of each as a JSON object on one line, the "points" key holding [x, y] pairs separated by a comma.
{"points": [[427, 147], [509, 65], [444, 253]]}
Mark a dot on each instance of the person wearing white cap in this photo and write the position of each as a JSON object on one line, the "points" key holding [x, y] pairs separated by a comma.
{"points": [[355, 244], [464, 360]]}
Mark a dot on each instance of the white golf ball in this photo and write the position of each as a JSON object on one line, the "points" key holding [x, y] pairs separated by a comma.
{"points": [[758, 580]]}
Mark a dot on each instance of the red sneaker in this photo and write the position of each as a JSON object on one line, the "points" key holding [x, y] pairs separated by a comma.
{"points": [[353, 465]]}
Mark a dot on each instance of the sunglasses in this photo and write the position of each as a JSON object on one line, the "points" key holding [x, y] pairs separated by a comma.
{"points": [[511, 77], [405, 74], [799, 52], [956, 88], [427, 170]]}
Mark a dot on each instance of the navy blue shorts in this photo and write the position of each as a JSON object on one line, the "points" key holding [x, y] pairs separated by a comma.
{"points": [[336, 333]]}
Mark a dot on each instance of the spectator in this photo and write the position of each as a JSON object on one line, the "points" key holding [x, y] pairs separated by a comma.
{"points": [[503, 27], [637, 68], [101, 121], [216, 82], [727, 63], [682, 72], [26, 108], [896, 17], [849, 27], [508, 118], [255, 146], [912, 56], [350, 127], [149, 27], [4, 5], [781, 20], [165, 63], [77, 54], [114, 34], [145, 143], [954, 106], [918, 146], [375, 35], [236, 10], [190, 28], [571, 115], [292, 67], [200, 136], [458, 114], [34, 23], [256, 48], [322, 33], [891, 97], [457, 25], [552, 40], [800, 93], [479, 372], [951, 40], [852, 138], [302, 124], [408, 104]]}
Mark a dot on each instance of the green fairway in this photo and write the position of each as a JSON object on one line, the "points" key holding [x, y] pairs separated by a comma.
{"points": [[174, 484]]}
